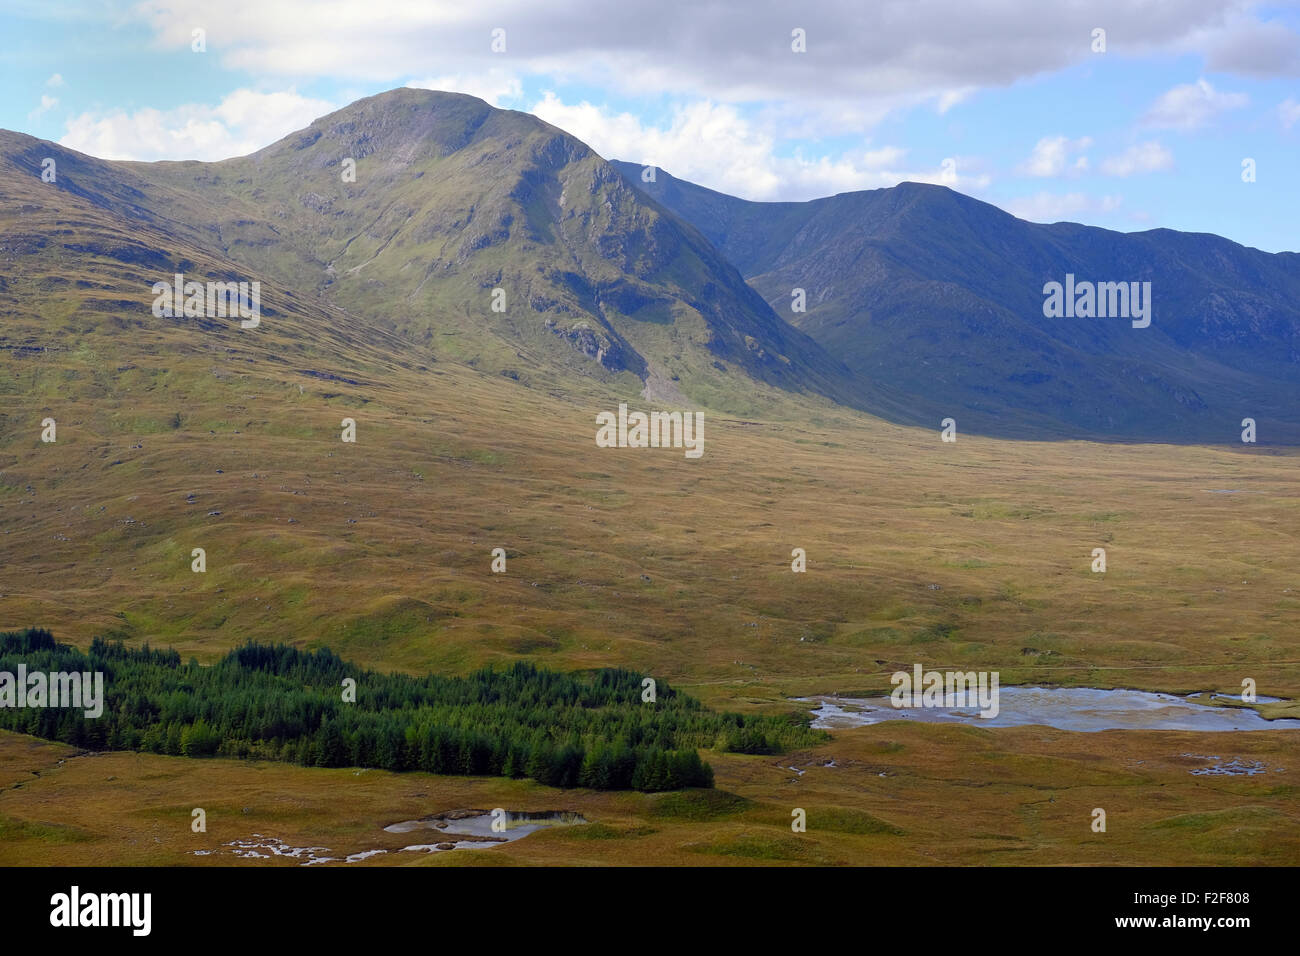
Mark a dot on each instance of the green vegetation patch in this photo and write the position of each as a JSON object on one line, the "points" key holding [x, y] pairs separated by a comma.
{"points": [[590, 729], [759, 847], [12, 830], [699, 805], [848, 820]]}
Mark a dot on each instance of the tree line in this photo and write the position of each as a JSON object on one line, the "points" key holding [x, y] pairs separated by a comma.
{"points": [[585, 729]]}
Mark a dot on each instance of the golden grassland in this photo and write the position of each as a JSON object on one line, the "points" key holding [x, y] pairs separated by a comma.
{"points": [[974, 555], [901, 794]]}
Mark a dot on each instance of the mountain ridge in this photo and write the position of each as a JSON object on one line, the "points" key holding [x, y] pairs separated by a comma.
{"points": [[895, 276], [922, 303], [454, 200]]}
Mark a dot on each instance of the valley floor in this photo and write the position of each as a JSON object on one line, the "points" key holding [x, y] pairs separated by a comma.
{"points": [[891, 795], [974, 556]]}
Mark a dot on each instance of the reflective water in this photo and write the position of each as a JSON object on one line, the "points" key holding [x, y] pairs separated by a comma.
{"points": [[452, 830], [1066, 708]]}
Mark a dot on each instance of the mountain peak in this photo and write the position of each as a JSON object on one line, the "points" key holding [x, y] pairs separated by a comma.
{"points": [[404, 122]]}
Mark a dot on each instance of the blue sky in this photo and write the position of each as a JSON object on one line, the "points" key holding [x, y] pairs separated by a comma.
{"points": [[1008, 101]]}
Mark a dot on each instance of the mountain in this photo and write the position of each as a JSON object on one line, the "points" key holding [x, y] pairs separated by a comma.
{"points": [[483, 235], [939, 296], [414, 227], [78, 259]]}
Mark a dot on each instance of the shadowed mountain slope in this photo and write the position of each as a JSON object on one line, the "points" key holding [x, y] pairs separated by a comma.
{"points": [[940, 297]]}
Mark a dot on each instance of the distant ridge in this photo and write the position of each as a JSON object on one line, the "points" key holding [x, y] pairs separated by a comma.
{"points": [[938, 296]]}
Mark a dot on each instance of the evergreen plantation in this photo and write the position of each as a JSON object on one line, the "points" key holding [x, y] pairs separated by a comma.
{"points": [[279, 703]]}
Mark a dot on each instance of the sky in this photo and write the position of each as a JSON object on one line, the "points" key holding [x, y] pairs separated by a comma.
{"points": [[1127, 114]]}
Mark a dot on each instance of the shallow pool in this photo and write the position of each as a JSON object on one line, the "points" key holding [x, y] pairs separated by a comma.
{"points": [[1066, 708]]}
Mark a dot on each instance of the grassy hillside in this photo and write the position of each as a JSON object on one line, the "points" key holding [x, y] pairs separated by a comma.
{"points": [[976, 552], [177, 434], [891, 795]]}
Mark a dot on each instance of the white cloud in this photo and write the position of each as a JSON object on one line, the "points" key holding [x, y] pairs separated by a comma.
{"points": [[1288, 111], [498, 86], [878, 159], [1055, 207], [950, 98], [1051, 154], [717, 146], [56, 80], [861, 59], [1146, 157], [47, 103], [243, 122], [1191, 106]]}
